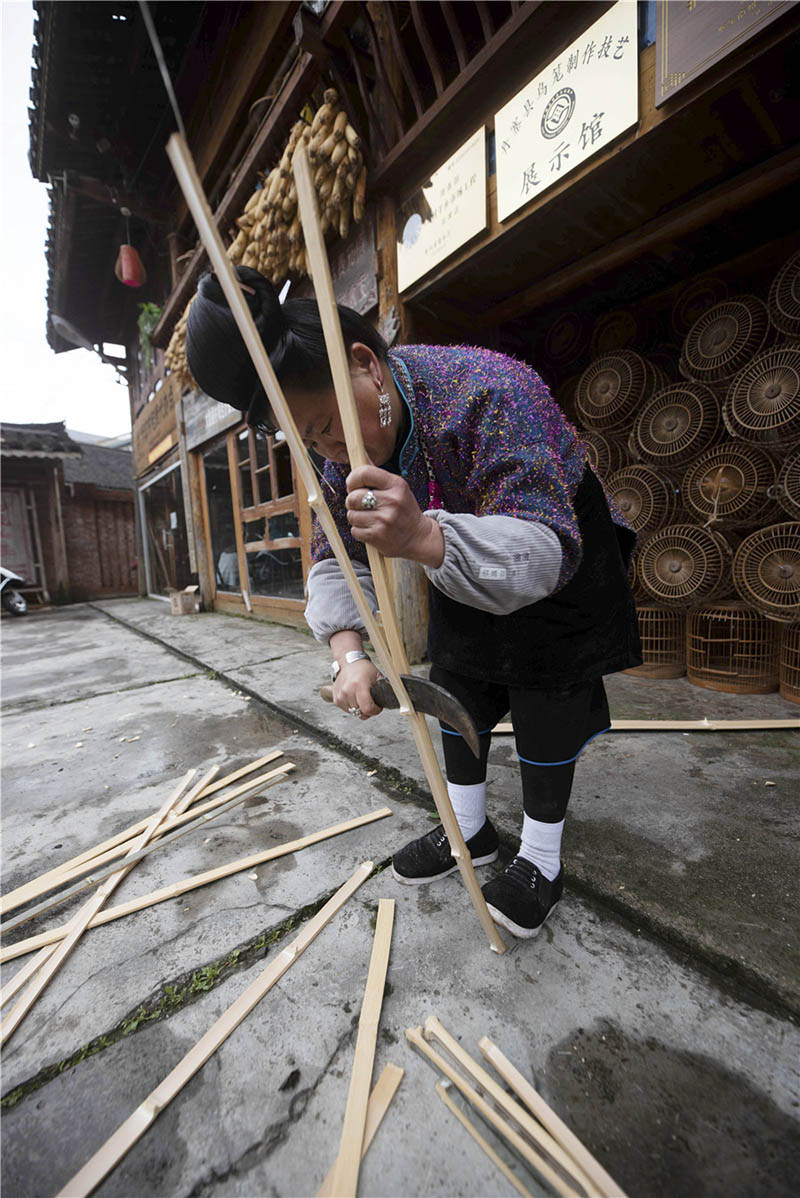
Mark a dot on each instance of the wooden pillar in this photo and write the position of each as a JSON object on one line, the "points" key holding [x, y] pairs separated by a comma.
{"points": [[199, 526], [59, 540]]}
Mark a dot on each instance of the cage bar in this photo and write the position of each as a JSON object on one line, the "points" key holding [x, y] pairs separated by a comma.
{"points": [[731, 647]]}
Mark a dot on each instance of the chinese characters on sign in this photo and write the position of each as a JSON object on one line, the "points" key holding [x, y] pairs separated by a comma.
{"points": [[576, 106], [444, 214]]}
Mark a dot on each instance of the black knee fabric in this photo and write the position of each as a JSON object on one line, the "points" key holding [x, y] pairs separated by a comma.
{"points": [[487, 703], [546, 790]]}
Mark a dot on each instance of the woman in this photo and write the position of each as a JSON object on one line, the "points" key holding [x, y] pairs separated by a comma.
{"points": [[477, 475]]}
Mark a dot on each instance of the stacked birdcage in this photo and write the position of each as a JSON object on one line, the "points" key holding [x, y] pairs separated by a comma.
{"points": [[707, 470]]}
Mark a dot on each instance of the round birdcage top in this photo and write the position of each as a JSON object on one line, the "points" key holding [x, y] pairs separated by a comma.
{"points": [[763, 400], [645, 499], [730, 483], [677, 422], [784, 298], [766, 571], [724, 339], [612, 388], [787, 490], [682, 564]]}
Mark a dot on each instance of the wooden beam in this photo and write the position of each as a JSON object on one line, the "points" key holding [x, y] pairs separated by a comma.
{"points": [[382, 1094], [134, 1127]]}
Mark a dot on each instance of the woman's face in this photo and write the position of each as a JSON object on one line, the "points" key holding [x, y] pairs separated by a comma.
{"points": [[317, 416]]}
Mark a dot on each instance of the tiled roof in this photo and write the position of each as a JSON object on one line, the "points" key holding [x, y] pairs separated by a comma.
{"points": [[111, 469], [37, 441]]}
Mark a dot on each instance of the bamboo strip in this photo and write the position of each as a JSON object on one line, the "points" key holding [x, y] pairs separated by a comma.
{"points": [[705, 725], [51, 962], [496, 1160], [176, 889], [512, 1109], [195, 792], [40, 885], [126, 1135], [382, 1094], [157, 843], [603, 1183], [240, 773], [22, 976], [538, 1163], [345, 1172], [47, 882]]}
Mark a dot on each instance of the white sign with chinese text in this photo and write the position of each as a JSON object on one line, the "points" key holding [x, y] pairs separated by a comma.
{"points": [[444, 214], [583, 100]]}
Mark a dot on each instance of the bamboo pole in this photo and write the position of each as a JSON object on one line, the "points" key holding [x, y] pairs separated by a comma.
{"points": [[134, 1127], [487, 1085], [345, 1172], [538, 1163], [51, 962], [120, 843], [603, 1183], [496, 1160], [186, 174], [704, 725], [24, 975], [382, 1094], [176, 889], [195, 792]]}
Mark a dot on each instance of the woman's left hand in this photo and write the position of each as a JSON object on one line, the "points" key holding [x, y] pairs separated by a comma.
{"points": [[395, 525]]}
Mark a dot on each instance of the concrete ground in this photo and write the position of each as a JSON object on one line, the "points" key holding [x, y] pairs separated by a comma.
{"points": [[657, 1012]]}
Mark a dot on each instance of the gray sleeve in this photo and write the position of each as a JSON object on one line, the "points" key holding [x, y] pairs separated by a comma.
{"points": [[330, 607], [495, 563]]}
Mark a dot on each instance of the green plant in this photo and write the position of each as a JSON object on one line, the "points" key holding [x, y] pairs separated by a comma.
{"points": [[149, 316]]}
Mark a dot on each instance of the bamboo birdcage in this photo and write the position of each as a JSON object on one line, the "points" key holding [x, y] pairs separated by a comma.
{"points": [[784, 298], [613, 387], [730, 484], [724, 340], [695, 299], [615, 330], [645, 498], [730, 647], [766, 571], [683, 565], [663, 634], [789, 669], [762, 405], [565, 337], [606, 454], [787, 488], [677, 423]]}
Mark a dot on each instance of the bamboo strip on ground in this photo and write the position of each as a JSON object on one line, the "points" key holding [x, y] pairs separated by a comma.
{"points": [[506, 729], [434, 1030], [43, 883], [345, 1172], [380, 1099], [176, 889], [229, 779], [496, 1160], [24, 975], [134, 855], [603, 1183], [53, 961], [137, 1124], [195, 792], [534, 1159]]}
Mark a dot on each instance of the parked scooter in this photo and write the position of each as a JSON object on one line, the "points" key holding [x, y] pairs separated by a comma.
{"points": [[10, 596]]}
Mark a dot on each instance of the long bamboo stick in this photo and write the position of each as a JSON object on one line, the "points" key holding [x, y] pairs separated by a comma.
{"points": [[603, 1183], [81, 921], [534, 1159], [496, 1160], [176, 889], [22, 976], [44, 882], [345, 1171], [434, 1030], [137, 1124], [198, 789], [382, 1094], [191, 187], [705, 725], [157, 844]]}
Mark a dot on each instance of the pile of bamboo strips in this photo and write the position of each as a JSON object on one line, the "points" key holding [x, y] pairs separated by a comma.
{"points": [[533, 1131], [269, 234]]}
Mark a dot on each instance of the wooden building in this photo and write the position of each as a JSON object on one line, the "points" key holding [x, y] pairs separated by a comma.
{"points": [[560, 181]]}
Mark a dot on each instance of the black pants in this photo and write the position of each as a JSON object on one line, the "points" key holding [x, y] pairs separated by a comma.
{"points": [[550, 729]]}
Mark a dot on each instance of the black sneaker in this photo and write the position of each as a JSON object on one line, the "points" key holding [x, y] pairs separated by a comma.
{"points": [[428, 858], [521, 898]]}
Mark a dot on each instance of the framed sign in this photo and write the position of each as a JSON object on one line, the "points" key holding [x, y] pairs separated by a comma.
{"points": [[571, 110], [444, 214], [155, 429]]}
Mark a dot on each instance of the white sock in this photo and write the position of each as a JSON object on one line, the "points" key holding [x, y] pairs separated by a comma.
{"points": [[469, 805], [541, 844]]}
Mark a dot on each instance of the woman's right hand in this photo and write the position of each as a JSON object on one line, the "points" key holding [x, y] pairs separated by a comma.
{"points": [[352, 688]]}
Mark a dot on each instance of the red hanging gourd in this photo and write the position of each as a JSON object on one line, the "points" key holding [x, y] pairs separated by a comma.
{"points": [[129, 268]]}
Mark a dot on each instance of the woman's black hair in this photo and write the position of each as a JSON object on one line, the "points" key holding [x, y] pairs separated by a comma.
{"points": [[292, 336]]}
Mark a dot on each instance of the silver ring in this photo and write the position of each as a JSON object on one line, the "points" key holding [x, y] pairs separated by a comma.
{"points": [[354, 711], [368, 501]]}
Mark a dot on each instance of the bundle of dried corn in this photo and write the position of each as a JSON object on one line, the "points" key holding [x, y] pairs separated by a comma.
{"points": [[175, 356]]}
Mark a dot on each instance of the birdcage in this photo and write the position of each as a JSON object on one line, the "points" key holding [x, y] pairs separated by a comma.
{"points": [[605, 454], [613, 387], [731, 484], [564, 395], [665, 356], [663, 634], [724, 340], [695, 299], [565, 337], [645, 498], [784, 298], [762, 405], [677, 423], [789, 673], [787, 489], [615, 330], [766, 571], [732, 648], [683, 565]]}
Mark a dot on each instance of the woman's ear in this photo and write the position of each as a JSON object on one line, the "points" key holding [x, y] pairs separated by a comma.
{"points": [[364, 361]]}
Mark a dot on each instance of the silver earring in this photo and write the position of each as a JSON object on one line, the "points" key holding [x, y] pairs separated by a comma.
{"points": [[384, 410]]}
